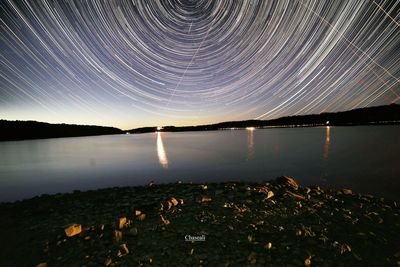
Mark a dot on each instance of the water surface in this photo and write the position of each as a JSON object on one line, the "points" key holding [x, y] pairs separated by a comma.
{"points": [[363, 158]]}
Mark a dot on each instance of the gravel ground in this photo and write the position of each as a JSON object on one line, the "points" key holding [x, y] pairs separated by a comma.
{"points": [[273, 223]]}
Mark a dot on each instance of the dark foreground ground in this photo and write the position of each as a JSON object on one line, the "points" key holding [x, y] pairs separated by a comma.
{"points": [[275, 223]]}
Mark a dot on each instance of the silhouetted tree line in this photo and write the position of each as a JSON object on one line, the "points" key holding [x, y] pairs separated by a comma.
{"points": [[389, 114], [19, 130]]}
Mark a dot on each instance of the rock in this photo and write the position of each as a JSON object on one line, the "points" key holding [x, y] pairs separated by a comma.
{"points": [[133, 231], [347, 191], [345, 248], [174, 201], [117, 235], [122, 222], [205, 199], [252, 258], [270, 194], [165, 221], [125, 249], [288, 181], [108, 261], [204, 187], [73, 229], [296, 196], [307, 262]]}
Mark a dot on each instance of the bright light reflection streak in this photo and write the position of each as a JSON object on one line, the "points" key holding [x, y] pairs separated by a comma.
{"points": [[327, 142], [250, 144], [162, 156]]}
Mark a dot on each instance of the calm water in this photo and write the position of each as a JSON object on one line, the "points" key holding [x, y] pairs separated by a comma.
{"points": [[364, 158]]}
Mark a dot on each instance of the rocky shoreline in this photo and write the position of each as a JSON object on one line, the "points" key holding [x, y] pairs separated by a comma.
{"points": [[273, 223]]}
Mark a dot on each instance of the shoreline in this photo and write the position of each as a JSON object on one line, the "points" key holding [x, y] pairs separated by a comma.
{"points": [[274, 222]]}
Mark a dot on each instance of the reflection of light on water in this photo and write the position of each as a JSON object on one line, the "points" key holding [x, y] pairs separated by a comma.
{"points": [[250, 144], [327, 142], [162, 156]]}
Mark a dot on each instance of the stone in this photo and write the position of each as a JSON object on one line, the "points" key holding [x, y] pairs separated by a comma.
{"points": [[286, 180], [205, 199], [270, 194], [347, 191], [252, 258], [174, 201], [296, 196], [73, 229], [204, 187], [165, 221], [124, 251], [108, 261], [307, 262], [122, 222], [117, 235], [133, 231]]}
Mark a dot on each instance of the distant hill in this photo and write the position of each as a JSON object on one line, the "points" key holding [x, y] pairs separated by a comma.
{"points": [[19, 130], [389, 114]]}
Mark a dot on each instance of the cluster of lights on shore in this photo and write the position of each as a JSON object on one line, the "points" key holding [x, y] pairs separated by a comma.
{"points": [[160, 128]]}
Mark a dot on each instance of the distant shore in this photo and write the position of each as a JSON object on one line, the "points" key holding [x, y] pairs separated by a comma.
{"points": [[380, 115], [275, 223]]}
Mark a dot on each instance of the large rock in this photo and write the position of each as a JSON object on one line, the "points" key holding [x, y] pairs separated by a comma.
{"points": [[289, 181]]}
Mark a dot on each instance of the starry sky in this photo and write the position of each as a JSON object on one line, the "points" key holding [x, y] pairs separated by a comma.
{"points": [[185, 62]]}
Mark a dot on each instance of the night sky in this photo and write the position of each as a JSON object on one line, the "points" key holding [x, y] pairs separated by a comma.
{"points": [[142, 63]]}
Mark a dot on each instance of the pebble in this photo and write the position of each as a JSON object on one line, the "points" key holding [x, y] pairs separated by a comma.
{"points": [[73, 229]]}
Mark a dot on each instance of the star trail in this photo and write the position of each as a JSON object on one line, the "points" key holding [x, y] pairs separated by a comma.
{"points": [[141, 63]]}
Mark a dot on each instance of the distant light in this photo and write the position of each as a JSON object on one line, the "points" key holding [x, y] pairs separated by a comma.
{"points": [[159, 128], [327, 122], [250, 128]]}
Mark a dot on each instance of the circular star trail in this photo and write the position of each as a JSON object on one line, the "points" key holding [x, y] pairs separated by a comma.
{"points": [[136, 63]]}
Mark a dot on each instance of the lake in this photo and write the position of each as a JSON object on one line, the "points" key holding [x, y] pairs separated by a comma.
{"points": [[363, 158]]}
